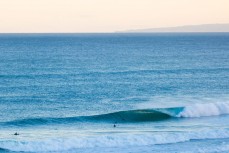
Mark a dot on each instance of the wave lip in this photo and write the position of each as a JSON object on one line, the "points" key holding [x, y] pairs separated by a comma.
{"points": [[133, 116]]}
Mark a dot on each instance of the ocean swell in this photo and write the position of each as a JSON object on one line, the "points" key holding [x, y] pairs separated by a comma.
{"points": [[131, 116], [143, 115]]}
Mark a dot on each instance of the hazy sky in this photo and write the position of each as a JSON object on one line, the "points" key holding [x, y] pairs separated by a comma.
{"points": [[107, 15]]}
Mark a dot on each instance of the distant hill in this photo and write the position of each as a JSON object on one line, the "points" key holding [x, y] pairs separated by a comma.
{"points": [[186, 28]]}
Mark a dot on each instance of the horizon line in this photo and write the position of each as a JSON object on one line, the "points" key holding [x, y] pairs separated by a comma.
{"points": [[135, 30]]}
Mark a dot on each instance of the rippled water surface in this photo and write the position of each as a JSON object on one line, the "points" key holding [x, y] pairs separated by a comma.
{"points": [[115, 92]]}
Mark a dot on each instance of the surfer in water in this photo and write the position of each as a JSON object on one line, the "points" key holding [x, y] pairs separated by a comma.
{"points": [[115, 124], [16, 133]]}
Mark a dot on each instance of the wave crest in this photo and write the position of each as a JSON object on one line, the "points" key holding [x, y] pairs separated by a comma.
{"points": [[201, 110], [140, 115]]}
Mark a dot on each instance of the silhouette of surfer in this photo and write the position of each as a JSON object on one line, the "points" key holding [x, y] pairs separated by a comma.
{"points": [[115, 124], [16, 133]]}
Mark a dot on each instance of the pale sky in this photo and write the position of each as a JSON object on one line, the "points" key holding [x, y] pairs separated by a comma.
{"points": [[107, 15]]}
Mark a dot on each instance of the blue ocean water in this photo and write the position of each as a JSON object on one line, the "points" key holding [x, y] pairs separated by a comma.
{"points": [[114, 92]]}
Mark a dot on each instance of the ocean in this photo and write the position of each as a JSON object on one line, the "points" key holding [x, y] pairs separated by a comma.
{"points": [[114, 92]]}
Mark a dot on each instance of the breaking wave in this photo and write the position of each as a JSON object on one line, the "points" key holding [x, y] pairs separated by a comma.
{"points": [[140, 115]]}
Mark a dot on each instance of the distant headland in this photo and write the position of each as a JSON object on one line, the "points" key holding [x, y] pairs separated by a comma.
{"points": [[185, 28]]}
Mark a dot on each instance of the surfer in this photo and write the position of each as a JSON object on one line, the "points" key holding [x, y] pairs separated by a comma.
{"points": [[115, 124], [16, 133]]}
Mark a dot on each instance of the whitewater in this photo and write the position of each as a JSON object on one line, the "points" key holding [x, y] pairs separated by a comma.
{"points": [[122, 93]]}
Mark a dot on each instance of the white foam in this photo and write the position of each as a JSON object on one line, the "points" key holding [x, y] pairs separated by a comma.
{"points": [[117, 140], [208, 109], [193, 106], [219, 148]]}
